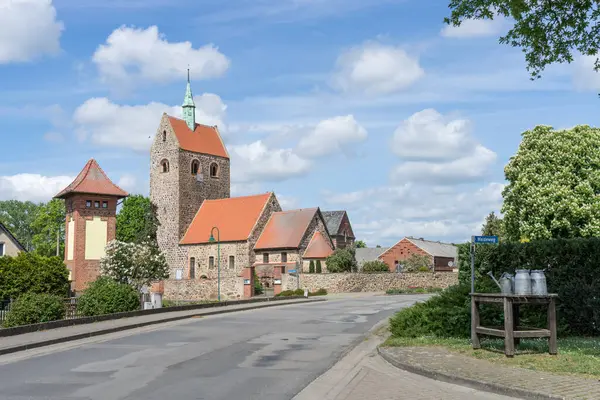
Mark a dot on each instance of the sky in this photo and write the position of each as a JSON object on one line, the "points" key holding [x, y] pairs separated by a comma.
{"points": [[370, 106]]}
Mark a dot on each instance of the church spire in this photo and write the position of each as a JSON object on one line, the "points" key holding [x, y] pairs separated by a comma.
{"points": [[189, 108]]}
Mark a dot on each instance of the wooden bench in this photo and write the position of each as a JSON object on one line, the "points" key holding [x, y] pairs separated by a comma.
{"points": [[512, 332]]}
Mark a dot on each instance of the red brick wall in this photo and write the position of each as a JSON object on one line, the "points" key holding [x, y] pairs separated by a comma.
{"points": [[84, 271], [400, 251]]}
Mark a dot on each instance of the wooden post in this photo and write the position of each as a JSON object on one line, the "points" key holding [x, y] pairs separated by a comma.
{"points": [[517, 322], [552, 344], [509, 343], [474, 323]]}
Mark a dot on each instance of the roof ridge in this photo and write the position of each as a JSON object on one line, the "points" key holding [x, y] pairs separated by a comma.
{"points": [[238, 197], [196, 123], [298, 209]]}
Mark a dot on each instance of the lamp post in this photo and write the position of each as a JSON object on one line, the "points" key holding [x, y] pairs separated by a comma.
{"points": [[212, 240]]}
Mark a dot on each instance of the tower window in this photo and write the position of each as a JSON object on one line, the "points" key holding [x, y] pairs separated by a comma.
{"points": [[192, 268], [214, 170], [211, 262], [231, 262], [195, 167], [164, 166], [283, 257], [88, 203], [265, 258], [164, 136], [105, 204], [96, 204]]}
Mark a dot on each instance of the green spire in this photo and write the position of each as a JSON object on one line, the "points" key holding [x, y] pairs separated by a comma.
{"points": [[189, 108]]}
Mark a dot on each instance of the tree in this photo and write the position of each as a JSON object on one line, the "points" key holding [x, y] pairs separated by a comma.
{"points": [[311, 267], [360, 244], [134, 264], [554, 181], [18, 217], [342, 260], [319, 268], [137, 221], [418, 263], [375, 266], [492, 226], [32, 273], [547, 31], [49, 229]]}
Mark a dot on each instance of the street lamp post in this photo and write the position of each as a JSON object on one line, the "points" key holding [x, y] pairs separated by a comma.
{"points": [[212, 240]]}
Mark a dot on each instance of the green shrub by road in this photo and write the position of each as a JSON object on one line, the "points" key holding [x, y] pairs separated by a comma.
{"points": [[31, 273], [33, 308], [414, 290], [105, 296]]}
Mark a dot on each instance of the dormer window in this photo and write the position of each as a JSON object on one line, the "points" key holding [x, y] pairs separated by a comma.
{"points": [[195, 167], [164, 164], [214, 170]]}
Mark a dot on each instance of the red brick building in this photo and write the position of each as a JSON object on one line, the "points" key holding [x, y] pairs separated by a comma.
{"points": [[444, 256]]}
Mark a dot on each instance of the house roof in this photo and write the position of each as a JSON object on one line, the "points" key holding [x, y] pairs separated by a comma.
{"points": [[436, 249], [285, 229], [92, 180], [205, 139], [4, 229], [333, 220], [235, 218], [318, 247], [369, 254]]}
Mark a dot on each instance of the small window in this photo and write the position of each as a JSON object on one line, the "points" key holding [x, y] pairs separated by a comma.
{"points": [[164, 136], [1, 249], [214, 170], [105, 204], [283, 257], [88, 203], [164, 166], [96, 204], [192, 268], [265, 258], [195, 167], [231, 262], [211, 262]]}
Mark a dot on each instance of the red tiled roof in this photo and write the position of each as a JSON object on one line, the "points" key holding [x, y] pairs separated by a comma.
{"points": [[285, 229], [92, 180], [235, 217], [318, 247], [205, 139]]}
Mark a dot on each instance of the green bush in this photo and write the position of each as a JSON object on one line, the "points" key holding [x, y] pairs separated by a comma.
{"points": [[418, 263], [105, 296], [298, 292], [311, 267], [342, 260], [32, 273], [375, 266], [412, 290], [319, 269], [33, 308], [285, 293], [258, 287], [320, 292]]}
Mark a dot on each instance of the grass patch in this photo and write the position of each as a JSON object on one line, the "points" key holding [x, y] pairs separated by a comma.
{"points": [[576, 356], [411, 290]]}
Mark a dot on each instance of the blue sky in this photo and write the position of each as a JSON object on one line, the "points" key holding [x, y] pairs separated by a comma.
{"points": [[370, 106]]}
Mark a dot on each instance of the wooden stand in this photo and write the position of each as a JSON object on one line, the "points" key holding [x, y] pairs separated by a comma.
{"points": [[512, 332]]}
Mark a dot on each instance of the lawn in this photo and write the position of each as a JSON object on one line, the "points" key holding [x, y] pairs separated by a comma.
{"points": [[576, 356]]}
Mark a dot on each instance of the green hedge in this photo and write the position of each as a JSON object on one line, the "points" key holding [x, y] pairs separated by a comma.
{"points": [[33, 308], [31, 273], [375, 266], [105, 296]]}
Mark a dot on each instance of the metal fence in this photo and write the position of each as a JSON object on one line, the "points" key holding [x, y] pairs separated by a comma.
{"points": [[70, 308]]}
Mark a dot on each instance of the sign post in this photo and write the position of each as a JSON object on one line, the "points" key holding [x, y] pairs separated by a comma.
{"points": [[479, 240], [178, 277]]}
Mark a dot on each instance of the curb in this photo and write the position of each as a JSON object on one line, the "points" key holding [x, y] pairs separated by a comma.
{"points": [[468, 382], [64, 339]]}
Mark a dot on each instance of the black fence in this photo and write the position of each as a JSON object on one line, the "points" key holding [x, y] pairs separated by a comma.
{"points": [[70, 309]]}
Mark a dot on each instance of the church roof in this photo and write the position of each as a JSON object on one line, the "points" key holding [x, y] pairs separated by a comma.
{"points": [[333, 220], [92, 180], [318, 247], [285, 229], [205, 139], [235, 217]]}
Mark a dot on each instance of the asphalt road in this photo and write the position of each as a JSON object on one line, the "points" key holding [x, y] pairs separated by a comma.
{"points": [[262, 354]]}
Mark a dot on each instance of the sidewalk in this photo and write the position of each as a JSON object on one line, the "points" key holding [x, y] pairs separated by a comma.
{"points": [[11, 344], [443, 365]]}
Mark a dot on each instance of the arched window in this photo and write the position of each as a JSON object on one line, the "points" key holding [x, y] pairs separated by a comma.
{"points": [[164, 164], [195, 167], [214, 170], [192, 268], [164, 136]]}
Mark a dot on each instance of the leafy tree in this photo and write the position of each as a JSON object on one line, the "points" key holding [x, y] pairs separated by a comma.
{"points": [[418, 263], [49, 229], [493, 226], [106, 296], [258, 287], [342, 260], [378, 246], [311, 267], [546, 31], [360, 244], [137, 221], [554, 181], [133, 264], [319, 268], [18, 217], [375, 266], [31, 273]]}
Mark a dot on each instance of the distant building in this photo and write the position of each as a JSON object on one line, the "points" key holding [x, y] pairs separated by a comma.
{"points": [[9, 245], [340, 230], [444, 256]]}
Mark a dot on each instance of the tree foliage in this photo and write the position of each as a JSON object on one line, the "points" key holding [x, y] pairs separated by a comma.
{"points": [[47, 225], [418, 263], [137, 221], [106, 296], [18, 217], [493, 226], [547, 32], [31, 273], [133, 264], [33, 308], [342, 260], [374, 266], [360, 244], [318, 267], [554, 181]]}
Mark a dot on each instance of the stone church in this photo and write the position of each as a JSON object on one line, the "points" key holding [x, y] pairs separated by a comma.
{"points": [[209, 238]]}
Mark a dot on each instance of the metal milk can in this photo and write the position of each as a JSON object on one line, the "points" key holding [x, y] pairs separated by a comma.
{"points": [[538, 282], [507, 283], [522, 282]]}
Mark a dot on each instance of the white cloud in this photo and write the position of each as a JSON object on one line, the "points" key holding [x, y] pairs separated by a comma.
{"points": [[375, 68], [287, 202], [584, 76], [133, 55], [32, 187], [475, 28], [256, 162], [109, 124], [28, 29], [331, 135], [128, 182]]}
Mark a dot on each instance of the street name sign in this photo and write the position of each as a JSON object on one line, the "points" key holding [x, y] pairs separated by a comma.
{"points": [[485, 239]]}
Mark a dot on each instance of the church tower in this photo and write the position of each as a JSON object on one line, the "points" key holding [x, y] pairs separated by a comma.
{"points": [[189, 163]]}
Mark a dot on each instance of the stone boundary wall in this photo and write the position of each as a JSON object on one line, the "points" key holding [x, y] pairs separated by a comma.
{"points": [[232, 288], [359, 282]]}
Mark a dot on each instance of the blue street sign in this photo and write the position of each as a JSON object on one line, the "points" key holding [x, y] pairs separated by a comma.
{"points": [[292, 271], [485, 239]]}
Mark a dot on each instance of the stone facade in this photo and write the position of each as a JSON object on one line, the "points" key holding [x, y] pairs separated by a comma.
{"points": [[204, 289], [306, 265], [358, 282]]}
